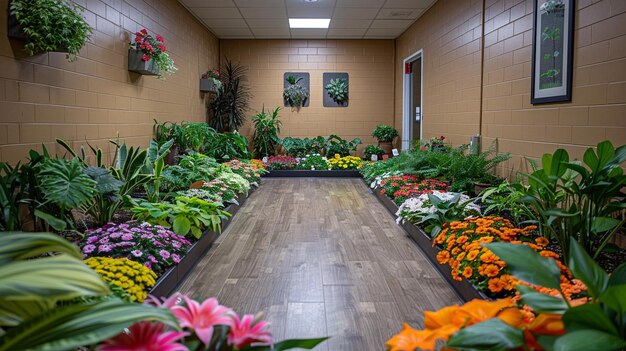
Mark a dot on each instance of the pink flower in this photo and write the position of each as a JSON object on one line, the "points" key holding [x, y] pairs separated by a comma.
{"points": [[145, 57], [245, 331], [167, 302], [145, 336], [161, 47], [159, 38], [202, 317]]}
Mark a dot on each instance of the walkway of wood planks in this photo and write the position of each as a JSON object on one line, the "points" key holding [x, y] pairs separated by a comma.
{"points": [[321, 257]]}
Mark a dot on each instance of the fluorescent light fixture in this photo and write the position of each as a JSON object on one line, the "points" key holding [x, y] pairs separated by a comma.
{"points": [[309, 22]]}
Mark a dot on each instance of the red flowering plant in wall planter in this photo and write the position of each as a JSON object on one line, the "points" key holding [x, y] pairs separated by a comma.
{"points": [[147, 55]]}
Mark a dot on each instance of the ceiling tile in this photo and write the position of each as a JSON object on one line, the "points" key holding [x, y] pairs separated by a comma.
{"points": [[383, 32], [233, 32], [301, 3], [354, 13], [308, 32], [225, 23], [268, 23], [313, 12], [361, 3], [209, 3], [397, 14], [408, 4], [391, 23], [271, 32], [263, 12], [260, 3], [351, 32], [339, 23], [217, 12]]}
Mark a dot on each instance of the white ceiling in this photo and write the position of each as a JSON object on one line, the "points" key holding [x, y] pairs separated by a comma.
{"points": [[268, 19]]}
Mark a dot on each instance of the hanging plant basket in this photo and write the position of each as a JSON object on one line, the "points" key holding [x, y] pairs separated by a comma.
{"points": [[137, 65], [209, 85]]}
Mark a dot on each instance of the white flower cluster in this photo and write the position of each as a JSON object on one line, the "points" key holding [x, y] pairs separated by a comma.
{"points": [[422, 206], [376, 183]]}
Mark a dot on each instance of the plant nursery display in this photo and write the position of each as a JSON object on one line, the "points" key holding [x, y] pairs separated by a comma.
{"points": [[314, 162], [296, 92], [226, 110], [49, 25], [148, 55], [266, 131], [346, 162]]}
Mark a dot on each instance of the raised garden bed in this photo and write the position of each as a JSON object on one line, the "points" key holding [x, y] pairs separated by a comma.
{"points": [[297, 173], [170, 280], [464, 289]]}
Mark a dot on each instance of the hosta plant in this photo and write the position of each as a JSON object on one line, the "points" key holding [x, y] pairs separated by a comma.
{"points": [[155, 246], [51, 25], [337, 89]]}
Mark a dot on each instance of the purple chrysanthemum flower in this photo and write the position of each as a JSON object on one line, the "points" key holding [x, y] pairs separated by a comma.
{"points": [[137, 253], [165, 254], [89, 248]]}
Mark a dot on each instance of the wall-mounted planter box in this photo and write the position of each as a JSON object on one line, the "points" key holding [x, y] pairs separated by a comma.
{"points": [[207, 85], [169, 282], [464, 289], [137, 65], [298, 173], [305, 82], [328, 101]]}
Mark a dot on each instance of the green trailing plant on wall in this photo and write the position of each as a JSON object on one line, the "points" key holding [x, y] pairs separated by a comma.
{"points": [[266, 131], [51, 25], [295, 94], [226, 110], [338, 90]]}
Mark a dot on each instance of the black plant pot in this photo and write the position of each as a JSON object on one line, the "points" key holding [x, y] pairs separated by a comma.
{"points": [[137, 65]]}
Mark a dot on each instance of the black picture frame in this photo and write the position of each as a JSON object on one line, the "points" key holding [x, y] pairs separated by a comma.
{"points": [[305, 82], [327, 100], [553, 51]]}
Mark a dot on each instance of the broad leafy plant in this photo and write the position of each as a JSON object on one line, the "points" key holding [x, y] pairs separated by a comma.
{"points": [[51, 300], [337, 89], [295, 94], [337, 145], [227, 146], [51, 25], [297, 147], [226, 110], [155, 166], [184, 216], [266, 131], [372, 150], [506, 198], [191, 168], [384, 133]]}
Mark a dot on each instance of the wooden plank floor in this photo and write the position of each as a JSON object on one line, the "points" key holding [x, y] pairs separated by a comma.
{"points": [[321, 257]]}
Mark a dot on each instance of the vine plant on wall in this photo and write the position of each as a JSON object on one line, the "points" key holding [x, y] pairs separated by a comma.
{"points": [[296, 93]]}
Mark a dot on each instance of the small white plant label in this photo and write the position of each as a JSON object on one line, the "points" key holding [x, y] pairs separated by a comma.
{"points": [[374, 157], [395, 152]]}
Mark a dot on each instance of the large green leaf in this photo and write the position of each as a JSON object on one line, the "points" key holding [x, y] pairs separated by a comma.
{"points": [[614, 298], [19, 246], [307, 344], [493, 335], [585, 340], [60, 277], [13, 313], [181, 225], [528, 265], [557, 164], [68, 327], [589, 316], [65, 184], [618, 277], [542, 303], [53, 221], [587, 270], [105, 182]]}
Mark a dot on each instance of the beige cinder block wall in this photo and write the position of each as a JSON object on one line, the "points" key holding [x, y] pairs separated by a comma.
{"points": [[369, 64], [450, 34], [45, 97]]}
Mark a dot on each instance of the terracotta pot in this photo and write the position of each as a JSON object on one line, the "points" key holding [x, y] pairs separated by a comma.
{"points": [[387, 146]]}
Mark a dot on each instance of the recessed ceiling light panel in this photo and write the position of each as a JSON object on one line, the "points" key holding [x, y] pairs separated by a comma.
{"points": [[309, 22]]}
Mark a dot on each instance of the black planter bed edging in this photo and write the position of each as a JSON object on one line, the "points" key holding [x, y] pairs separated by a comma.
{"points": [[170, 280], [464, 289], [297, 173]]}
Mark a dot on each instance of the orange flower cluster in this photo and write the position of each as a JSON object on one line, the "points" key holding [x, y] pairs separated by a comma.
{"points": [[441, 325], [258, 164], [464, 253]]}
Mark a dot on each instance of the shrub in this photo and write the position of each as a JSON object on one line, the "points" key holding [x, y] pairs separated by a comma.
{"points": [[155, 246], [384, 133], [135, 278], [266, 131]]}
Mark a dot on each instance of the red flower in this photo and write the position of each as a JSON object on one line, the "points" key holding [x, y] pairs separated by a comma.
{"points": [[145, 57], [441, 138], [159, 38], [161, 47], [144, 31], [142, 46]]}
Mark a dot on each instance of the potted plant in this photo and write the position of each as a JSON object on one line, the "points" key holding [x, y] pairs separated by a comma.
{"points": [[210, 81], [337, 89], [147, 55], [48, 26], [295, 94], [226, 110], [385, 135], [266, 130], [373, 150]]}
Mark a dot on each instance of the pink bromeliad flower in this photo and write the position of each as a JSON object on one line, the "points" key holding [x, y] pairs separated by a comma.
{"points": [[202, 318], [166, 302], [145, 336], [246, 331]]}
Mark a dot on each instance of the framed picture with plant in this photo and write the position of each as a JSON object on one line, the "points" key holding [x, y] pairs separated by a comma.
{"points": [[336, 92], [48, 26], [296, 89], [553, 51]]}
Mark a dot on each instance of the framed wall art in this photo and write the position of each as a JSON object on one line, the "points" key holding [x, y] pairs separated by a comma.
{"points": [[553, 51]]}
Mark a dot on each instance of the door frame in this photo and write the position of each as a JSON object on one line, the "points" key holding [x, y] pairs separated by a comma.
{"points": [[407, 92]]}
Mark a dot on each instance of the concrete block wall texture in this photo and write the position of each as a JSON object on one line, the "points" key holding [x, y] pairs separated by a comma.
{"points": [[369, 64], [450, 34], [94, 98]]}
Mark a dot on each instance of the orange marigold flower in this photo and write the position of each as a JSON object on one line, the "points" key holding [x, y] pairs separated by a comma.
{"points": [[496, 285], [485, 239], [472, 255], [489, 270], [461, 256], [455, 251], [443, 256], [467, 272], [481, 230], [462, 239], [548, 254], [489, 257], [542, 241]]}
